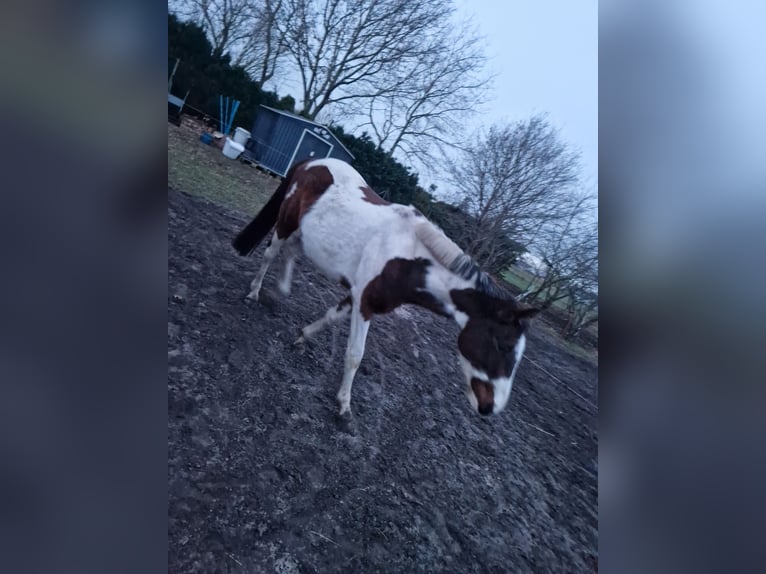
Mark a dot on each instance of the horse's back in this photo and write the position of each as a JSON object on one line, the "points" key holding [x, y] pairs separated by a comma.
{"points": [[346, 232]]}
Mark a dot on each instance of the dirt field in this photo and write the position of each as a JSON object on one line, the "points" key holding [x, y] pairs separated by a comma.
{"points": [[265, 477]]}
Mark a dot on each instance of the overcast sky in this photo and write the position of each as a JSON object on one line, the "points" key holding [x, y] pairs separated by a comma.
{"points": [[545, 55]]}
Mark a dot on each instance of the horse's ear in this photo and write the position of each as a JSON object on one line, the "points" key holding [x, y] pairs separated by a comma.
{"points": [[513, 313]]}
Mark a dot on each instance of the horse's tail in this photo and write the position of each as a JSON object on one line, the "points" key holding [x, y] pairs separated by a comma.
{"points": [[248, 239]]}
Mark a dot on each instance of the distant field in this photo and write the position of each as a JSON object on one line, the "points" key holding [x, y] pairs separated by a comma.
{"points": [[517, 277], [521, 279]]}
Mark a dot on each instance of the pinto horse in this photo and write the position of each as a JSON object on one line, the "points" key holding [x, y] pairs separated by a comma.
{"points": [[387, 255]]}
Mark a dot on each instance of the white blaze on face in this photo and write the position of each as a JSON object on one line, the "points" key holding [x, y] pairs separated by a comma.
{"points": [[470, 372], [503, 385], [521, 344]]}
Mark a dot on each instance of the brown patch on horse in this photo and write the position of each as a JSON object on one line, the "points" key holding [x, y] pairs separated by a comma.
{"points": [[401, 281], [488, 340], [310, 183], [371, 197], [485, 395], [489, 346], [477, 303]]}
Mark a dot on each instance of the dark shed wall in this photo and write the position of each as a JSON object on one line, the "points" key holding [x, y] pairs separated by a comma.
{"points": [[289, 131], [275, 138], [273, 144], [261, 134], [338, 152]]}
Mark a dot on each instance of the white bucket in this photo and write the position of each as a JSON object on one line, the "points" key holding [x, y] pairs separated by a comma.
{"points": [[241, 135], [232, 149]]}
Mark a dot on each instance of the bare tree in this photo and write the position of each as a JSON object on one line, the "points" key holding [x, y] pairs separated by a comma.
{"points": [[226, 22], [343, 49], [511, 181], [582, 306], [405, 66], [431, 96], [263, 51], [569, 248], [244, 29]]}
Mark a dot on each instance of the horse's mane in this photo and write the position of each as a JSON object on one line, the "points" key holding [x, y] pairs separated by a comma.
{"points": [[446, 252]]}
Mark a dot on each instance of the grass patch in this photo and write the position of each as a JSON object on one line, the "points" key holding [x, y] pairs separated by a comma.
{"points": [[203, 170], [517, 277], [521, 279], [579, 351]]}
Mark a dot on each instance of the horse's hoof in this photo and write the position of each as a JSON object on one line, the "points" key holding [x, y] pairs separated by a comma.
{"points": [[251, 297], [346, 423]]}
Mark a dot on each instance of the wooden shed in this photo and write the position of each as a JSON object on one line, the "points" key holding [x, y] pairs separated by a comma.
{"points": [[279, 139]]}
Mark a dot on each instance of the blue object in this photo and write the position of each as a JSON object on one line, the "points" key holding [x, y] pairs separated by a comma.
{"points": [[227, 109], [233, 113], [206, 138]]}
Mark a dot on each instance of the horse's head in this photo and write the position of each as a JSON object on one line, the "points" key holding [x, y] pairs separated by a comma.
{"points": [[490, 346]]}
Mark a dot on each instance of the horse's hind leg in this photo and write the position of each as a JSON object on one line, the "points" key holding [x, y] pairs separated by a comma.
{"points": [[333, 314], [292, 247], [268, 256]]}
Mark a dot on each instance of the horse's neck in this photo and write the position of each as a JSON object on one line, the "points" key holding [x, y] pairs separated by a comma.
{"points": [[452, 270], [440, 281]]}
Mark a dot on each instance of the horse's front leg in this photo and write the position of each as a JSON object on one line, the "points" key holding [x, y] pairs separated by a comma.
{"points": [[339, 311], [354, 354]]}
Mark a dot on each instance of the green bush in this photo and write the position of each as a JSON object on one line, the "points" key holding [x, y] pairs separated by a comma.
{"points": [[208, 77]]}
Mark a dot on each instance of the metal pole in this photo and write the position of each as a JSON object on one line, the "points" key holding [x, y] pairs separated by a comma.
{"points": [[173, 73]]}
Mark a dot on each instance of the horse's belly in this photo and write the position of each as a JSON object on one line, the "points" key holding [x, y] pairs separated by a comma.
{"points": [[334, 235]]}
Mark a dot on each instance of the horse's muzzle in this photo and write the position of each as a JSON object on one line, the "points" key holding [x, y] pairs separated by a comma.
{"points": [[486, 409], [485, 396]]}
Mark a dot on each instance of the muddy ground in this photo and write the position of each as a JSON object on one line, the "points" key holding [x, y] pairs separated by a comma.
{"points": [[265, 477]]}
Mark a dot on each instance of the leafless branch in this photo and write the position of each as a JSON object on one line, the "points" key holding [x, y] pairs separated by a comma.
{"points": [[244, 29], [511, 181]]}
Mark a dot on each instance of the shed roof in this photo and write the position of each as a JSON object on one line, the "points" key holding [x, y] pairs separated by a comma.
{"points": [[308, 121]]}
